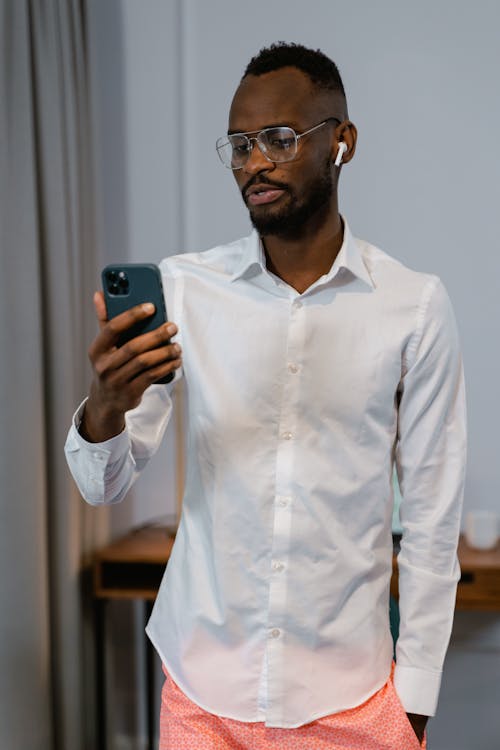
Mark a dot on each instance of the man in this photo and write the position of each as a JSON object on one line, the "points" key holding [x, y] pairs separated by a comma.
{"points": [[313, 363]]}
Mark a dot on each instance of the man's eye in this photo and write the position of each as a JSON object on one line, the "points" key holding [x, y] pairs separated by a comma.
{"points": [[241, 148], [282, 144]]}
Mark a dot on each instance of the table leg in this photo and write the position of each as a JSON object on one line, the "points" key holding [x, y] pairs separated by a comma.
{"points": [[150, 681], [100, 671]]}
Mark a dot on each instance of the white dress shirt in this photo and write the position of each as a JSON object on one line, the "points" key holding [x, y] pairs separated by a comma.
{"points": [[275, 602]]}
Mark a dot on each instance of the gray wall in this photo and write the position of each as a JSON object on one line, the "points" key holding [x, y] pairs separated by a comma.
{"points": [[422, 83], [134, 53]]}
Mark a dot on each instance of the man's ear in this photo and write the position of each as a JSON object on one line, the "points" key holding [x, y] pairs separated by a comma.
{"points": [[346, 134]]}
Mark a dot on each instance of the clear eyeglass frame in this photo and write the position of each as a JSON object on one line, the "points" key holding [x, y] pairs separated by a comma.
{"points": [[277, 144]]}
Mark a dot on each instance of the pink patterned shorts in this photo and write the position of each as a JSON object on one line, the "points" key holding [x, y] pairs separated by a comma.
{"points": [[378, 724]]}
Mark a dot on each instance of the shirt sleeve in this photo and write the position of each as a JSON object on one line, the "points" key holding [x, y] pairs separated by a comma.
{"points": [[105, 471], [430, 462]]}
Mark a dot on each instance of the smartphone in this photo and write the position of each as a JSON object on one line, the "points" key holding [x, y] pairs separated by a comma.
{"points": [[128, 284]]}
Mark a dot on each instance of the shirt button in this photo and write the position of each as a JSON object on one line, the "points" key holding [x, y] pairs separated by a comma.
{"points": [[283, 502], [275, 633], [287, 435], [297, 304], [292, 367], [278, 566]]}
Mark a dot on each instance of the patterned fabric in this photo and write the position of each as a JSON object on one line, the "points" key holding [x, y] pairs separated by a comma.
{"points": [[378, 724]]}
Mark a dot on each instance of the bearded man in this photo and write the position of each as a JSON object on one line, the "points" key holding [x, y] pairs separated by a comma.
{"points": [[314, 363]]}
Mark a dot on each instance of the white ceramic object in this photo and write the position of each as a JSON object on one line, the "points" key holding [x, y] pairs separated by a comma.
{"points": [[481, 529]]}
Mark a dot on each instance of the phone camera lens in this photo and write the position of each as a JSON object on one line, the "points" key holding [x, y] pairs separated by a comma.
{"points": [[117, 282], [123, 282]]}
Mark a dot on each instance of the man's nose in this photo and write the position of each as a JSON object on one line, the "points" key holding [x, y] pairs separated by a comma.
{"points": [[257, 162]]}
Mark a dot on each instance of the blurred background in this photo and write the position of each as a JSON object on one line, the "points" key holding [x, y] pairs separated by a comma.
{"points": [[109, 112]]}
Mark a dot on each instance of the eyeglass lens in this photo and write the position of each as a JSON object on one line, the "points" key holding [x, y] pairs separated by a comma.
{"points": [[278, 144]]}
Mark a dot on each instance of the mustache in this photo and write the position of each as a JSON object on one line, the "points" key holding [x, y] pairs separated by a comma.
{"points": [[261, 180]]}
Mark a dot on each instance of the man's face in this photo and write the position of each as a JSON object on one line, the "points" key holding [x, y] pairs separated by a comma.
{"points": [[283, 197]]}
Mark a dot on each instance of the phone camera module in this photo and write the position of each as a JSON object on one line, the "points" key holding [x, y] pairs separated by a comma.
{"points": [[118, 282]]}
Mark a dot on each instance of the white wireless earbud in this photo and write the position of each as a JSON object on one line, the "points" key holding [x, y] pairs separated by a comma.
{"points": [[340, 153]]}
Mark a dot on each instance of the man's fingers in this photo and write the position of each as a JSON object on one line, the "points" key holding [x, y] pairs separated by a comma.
{"points": [[157, 373], [112, 329], [124, 363], [150, 366], [156, 340], [146, 342], [106, 356], [100, 309]]}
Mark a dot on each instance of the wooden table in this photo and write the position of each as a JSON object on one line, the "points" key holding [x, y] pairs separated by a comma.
{"points": [[479, 585], [132, 568]]}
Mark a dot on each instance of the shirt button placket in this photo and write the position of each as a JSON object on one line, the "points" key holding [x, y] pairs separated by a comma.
{"points": [[286, 457]]}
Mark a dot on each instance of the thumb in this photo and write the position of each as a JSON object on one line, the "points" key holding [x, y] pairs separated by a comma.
{"points": [[100, 309]]}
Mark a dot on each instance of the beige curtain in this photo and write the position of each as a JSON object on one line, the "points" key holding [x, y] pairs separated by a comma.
{"points": [[47, 274]]}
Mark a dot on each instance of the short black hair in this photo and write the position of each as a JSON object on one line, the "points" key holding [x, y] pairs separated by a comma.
{"points": [[314, 63]]}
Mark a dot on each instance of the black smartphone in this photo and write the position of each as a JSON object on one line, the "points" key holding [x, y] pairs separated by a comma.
{"points": [[128, 284]]}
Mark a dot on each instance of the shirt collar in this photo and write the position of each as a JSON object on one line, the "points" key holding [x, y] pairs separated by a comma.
{"points": [[252, 258], [350, 257]]}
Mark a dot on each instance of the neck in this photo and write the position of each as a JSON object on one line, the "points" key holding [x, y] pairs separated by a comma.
{"points": [[302, 260]]}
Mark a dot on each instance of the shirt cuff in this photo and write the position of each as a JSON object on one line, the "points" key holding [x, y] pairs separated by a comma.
{"points": [[417, 689], [114, 448], [89, 463]]}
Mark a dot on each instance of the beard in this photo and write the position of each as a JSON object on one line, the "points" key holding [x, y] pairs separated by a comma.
{"points": [[290, 221]]}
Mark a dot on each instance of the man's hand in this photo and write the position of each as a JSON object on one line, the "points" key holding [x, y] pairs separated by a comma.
{"points": [[122, 374], [418, 723]]}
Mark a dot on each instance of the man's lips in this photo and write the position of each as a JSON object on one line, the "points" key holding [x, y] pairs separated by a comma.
{"points": [[266, 196], [256, 195]]}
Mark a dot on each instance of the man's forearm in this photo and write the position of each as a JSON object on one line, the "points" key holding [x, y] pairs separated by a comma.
{"points": [[97, 427]]}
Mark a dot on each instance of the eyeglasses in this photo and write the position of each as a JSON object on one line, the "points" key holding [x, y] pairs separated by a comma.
{"points": [[277, 144]]}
